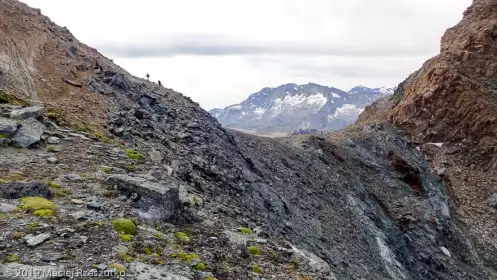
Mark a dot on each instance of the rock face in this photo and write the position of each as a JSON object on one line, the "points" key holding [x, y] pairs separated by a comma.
{"points": [[28, 112], [29, 133], [292, 107], [362, 203], [7, 127], [451, 101]]}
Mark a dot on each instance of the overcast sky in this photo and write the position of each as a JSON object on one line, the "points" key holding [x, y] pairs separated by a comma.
{"points": [[220, 51]]}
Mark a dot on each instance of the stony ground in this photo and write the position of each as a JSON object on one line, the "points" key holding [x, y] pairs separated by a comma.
{"points": [[80, 235]]}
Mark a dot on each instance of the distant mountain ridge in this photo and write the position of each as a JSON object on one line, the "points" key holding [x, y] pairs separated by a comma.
{"points": [[291, 107]]}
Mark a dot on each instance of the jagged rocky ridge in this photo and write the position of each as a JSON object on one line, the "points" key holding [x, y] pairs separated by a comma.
{"points": [[362, 203], [291, 107], [448, 107]]}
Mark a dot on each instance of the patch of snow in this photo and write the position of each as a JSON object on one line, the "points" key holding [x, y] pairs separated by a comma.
{"points": [[335, 95], [436, 144], [259, 111], [315, 101], [234, 107], [347, 110], [391, 264], [295, 88], [386, 91], [347, 113], [445, 251]]}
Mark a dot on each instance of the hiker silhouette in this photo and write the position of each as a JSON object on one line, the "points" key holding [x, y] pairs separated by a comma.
{"points": [[160, 84], [147, 76]]}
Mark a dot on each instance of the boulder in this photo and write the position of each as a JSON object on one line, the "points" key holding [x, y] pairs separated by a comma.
{"points": [[28, 112], [15, 190], [5, 208], [166, 194], [29, 133], [7, 127], [38, 239]]}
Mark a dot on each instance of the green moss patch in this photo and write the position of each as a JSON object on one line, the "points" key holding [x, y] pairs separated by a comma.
{"points": [[254, 250], [185, 257], [246, 231], [37, 205], [126, 237], [257, 269], [53, 185], [181, 237], [133, 154], [126, 258], [124, 226], [43, 212], [11, 99], [13, 258], [200, 266], [117, 267]]}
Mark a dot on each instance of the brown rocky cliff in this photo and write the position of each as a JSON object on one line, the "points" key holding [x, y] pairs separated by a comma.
{"points": [[453, 97], [42, 62], [449, 107]]}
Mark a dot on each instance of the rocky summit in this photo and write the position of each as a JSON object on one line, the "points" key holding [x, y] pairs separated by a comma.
{"points": [[105, 174], [292, 108]]}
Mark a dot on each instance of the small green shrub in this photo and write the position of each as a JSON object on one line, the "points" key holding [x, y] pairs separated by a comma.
{"points": [[106, 170]]}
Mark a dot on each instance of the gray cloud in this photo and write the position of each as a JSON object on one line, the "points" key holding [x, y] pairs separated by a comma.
{"points": [[216, 45]]}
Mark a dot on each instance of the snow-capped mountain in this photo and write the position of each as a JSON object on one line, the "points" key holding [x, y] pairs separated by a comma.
{"points": [[292, 107]]}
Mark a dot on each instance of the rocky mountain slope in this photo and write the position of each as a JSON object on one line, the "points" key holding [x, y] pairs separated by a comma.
{"points": [[448, 107], [292, 107], [103, 173]]}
